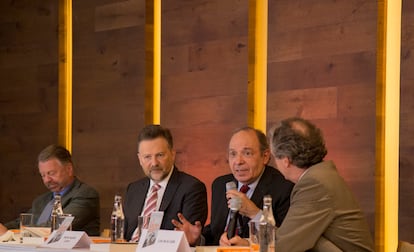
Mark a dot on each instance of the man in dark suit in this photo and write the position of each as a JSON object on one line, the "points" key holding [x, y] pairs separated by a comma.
{"points": [[78, 199], [248, 155], [177, 191]]}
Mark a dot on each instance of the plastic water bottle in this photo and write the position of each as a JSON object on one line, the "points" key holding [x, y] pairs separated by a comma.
{"points": [[267, 227], [117, 221]]}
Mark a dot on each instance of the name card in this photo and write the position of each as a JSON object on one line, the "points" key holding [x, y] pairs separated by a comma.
{"points": [[61, 238], [68, 240], [163, 240]]}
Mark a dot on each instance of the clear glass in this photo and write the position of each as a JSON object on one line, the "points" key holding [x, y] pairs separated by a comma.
{"points": [[26, 220]]}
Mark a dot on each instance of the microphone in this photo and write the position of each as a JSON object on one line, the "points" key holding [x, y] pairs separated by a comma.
{"points": [[235, 204]]}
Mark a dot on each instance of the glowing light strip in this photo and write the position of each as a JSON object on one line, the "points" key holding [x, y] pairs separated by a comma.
{"points": [[387, 133], [257, 72], [153, 61], [65, 74]]}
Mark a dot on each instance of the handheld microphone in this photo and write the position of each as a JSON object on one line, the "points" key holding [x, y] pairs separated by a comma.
{"points": [[235, 204]]}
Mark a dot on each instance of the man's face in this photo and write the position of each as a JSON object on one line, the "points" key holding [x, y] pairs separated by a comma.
{"points": [[156, 158], [245, 159], [55, 175]]}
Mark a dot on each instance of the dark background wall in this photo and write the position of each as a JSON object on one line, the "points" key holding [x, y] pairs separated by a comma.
{"points": [[321, 65]]}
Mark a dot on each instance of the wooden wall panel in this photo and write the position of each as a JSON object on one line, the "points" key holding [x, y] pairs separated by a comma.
{"points": [[322, 67], [406, 218], [28, 98], [204, 81], [108, 95]]}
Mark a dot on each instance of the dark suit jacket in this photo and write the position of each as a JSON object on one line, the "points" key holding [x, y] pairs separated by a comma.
{"points": [[81, 200], [184, 194], [272, 182]]}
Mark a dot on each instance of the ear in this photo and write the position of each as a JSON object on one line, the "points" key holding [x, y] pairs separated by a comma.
{"points": [[286, 162], [173, 153], [69, 168], [266, 156], [139, 159]]}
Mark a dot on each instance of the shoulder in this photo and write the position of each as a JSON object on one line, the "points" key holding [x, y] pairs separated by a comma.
{"points": [[84, 188], [138, 183], [222, 180], [185, 178]]}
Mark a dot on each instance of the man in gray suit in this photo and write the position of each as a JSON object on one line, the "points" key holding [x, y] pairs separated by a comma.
{"points": [[78, 199], [177, 192], [323, 214]]}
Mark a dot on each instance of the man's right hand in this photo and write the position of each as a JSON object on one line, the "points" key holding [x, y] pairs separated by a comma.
{"points": [[192, 232]]}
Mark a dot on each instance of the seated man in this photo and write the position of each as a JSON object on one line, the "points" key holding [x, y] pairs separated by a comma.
{"points": [[248, 158], [82, 201], [164, 188], [323, 215]]}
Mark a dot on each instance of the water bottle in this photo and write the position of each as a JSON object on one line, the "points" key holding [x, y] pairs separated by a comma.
{"points": [[267, 229], [117, 221], [56, 212]]}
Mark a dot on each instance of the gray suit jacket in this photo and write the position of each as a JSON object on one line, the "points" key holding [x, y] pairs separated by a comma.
{"points": [[322, 206], [81, 200], [184, 194]]}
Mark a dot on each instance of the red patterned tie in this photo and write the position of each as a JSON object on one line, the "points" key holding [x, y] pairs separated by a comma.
{"points": [[244, 188], [151, 202]]}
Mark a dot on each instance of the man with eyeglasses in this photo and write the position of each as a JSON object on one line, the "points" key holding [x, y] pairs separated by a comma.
{"points": [[248, 158], [164, 188]]}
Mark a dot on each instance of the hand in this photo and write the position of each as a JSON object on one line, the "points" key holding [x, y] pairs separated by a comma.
{"points": [[248, 208], [234, 241], [3, 229], [192, 232]]}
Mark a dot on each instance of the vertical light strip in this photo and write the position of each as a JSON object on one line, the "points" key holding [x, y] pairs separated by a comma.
{"points": [[153, 62], [257, 69], [387, 132], [65, 74]]}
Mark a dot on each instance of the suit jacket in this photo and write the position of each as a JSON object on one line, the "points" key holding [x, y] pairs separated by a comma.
{"points": [[271, 182], [183, 194], [81, 200], [322, 206]]}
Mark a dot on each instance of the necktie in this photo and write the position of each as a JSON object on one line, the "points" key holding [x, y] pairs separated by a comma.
{"points": [[151, 202], [244, 188], [45, 215], [150, 206]]}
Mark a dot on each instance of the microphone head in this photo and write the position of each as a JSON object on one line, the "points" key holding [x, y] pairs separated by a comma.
{"points": [[231, 186]]}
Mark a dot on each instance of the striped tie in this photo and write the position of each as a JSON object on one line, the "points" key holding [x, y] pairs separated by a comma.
{"points": [[150, 206], [151, 202]]}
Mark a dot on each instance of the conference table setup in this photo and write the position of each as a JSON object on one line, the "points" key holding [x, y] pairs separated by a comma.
{"points": [[14, 243]]}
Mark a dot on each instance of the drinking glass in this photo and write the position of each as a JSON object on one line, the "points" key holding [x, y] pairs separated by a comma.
{"points": [[254, 235], [26, 220], [143, 222]]}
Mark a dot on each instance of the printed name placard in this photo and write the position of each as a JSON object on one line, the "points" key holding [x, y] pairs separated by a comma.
{"points": [[61, 238], [68, 240], [163, 240]]}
